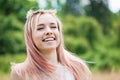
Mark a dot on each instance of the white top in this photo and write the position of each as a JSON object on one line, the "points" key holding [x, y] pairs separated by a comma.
{"points": [[61, 73]]}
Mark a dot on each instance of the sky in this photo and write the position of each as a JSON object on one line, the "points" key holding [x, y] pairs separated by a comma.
{"points": [[114, 5]]}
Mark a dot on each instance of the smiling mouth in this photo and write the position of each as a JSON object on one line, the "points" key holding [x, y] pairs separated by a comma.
{"points": [[48, 39]]}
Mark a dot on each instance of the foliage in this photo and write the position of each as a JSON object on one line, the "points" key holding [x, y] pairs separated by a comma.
{"points": [[103, 59], [73, 7], [5, 61], [99, 9], [83, 36], [10, 33], [94, 37], [84, 32], [12, 16], [115, 30]]}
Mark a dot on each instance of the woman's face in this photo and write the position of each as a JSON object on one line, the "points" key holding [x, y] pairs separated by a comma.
{"points": [[45, 32]]}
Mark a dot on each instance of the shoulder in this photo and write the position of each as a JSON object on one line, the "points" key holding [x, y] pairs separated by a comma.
{"points": [[16, 71], [14, 76]]}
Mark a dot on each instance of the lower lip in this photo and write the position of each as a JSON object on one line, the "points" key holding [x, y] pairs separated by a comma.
{"points": [[49, 42]]}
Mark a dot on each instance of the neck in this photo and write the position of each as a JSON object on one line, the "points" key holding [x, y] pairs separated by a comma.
{"points": [[50, 56]]}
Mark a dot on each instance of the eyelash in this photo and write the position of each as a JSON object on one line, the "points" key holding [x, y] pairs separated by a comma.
{"points": [[40, 28], [53, 27]]}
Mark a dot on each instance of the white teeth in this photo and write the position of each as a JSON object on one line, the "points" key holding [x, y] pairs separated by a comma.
{"points": [[49, 39]]}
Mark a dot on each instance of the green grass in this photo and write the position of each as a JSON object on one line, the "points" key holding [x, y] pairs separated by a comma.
{"points": [[5, 61]]}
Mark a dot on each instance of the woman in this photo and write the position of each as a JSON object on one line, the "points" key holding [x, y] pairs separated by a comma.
{"points": [[46, 57]]}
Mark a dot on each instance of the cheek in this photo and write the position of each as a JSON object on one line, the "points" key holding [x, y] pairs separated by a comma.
{"points": [[58, 37], [37, 34], [37, 38]]}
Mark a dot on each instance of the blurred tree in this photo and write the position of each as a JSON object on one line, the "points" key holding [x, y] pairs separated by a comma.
{"points": [[115, 30], [12, 18], [82, 33], [99, 9], [73, 7]]}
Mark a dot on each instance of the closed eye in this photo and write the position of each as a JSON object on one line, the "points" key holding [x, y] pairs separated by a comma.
{"points": [[53, 27], [40, 28]]}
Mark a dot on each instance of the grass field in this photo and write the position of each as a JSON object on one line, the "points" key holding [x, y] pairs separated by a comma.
{"points": [[106, 76], [96, 76], [5, 67]]}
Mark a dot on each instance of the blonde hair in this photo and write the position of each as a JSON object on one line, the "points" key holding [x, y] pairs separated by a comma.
{"points": [[36, 64]]}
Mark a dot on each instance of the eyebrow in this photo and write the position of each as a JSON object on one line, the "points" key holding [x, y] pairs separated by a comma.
{"points": [[52, 23], [40, 24]]}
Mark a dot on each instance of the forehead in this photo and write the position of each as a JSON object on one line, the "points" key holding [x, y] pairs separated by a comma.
{"points": [[46, 18]]}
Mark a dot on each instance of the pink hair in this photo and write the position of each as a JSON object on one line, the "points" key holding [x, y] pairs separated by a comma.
{"points": [[36, 64]]}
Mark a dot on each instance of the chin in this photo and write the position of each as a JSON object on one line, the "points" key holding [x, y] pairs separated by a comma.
{"points": [[51, 47]]}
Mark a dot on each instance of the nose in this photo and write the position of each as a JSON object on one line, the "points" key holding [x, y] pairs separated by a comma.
{"points": [[48, 31]]}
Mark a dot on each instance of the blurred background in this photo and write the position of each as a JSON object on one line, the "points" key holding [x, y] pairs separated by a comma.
{"points": [[91, 31]]}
